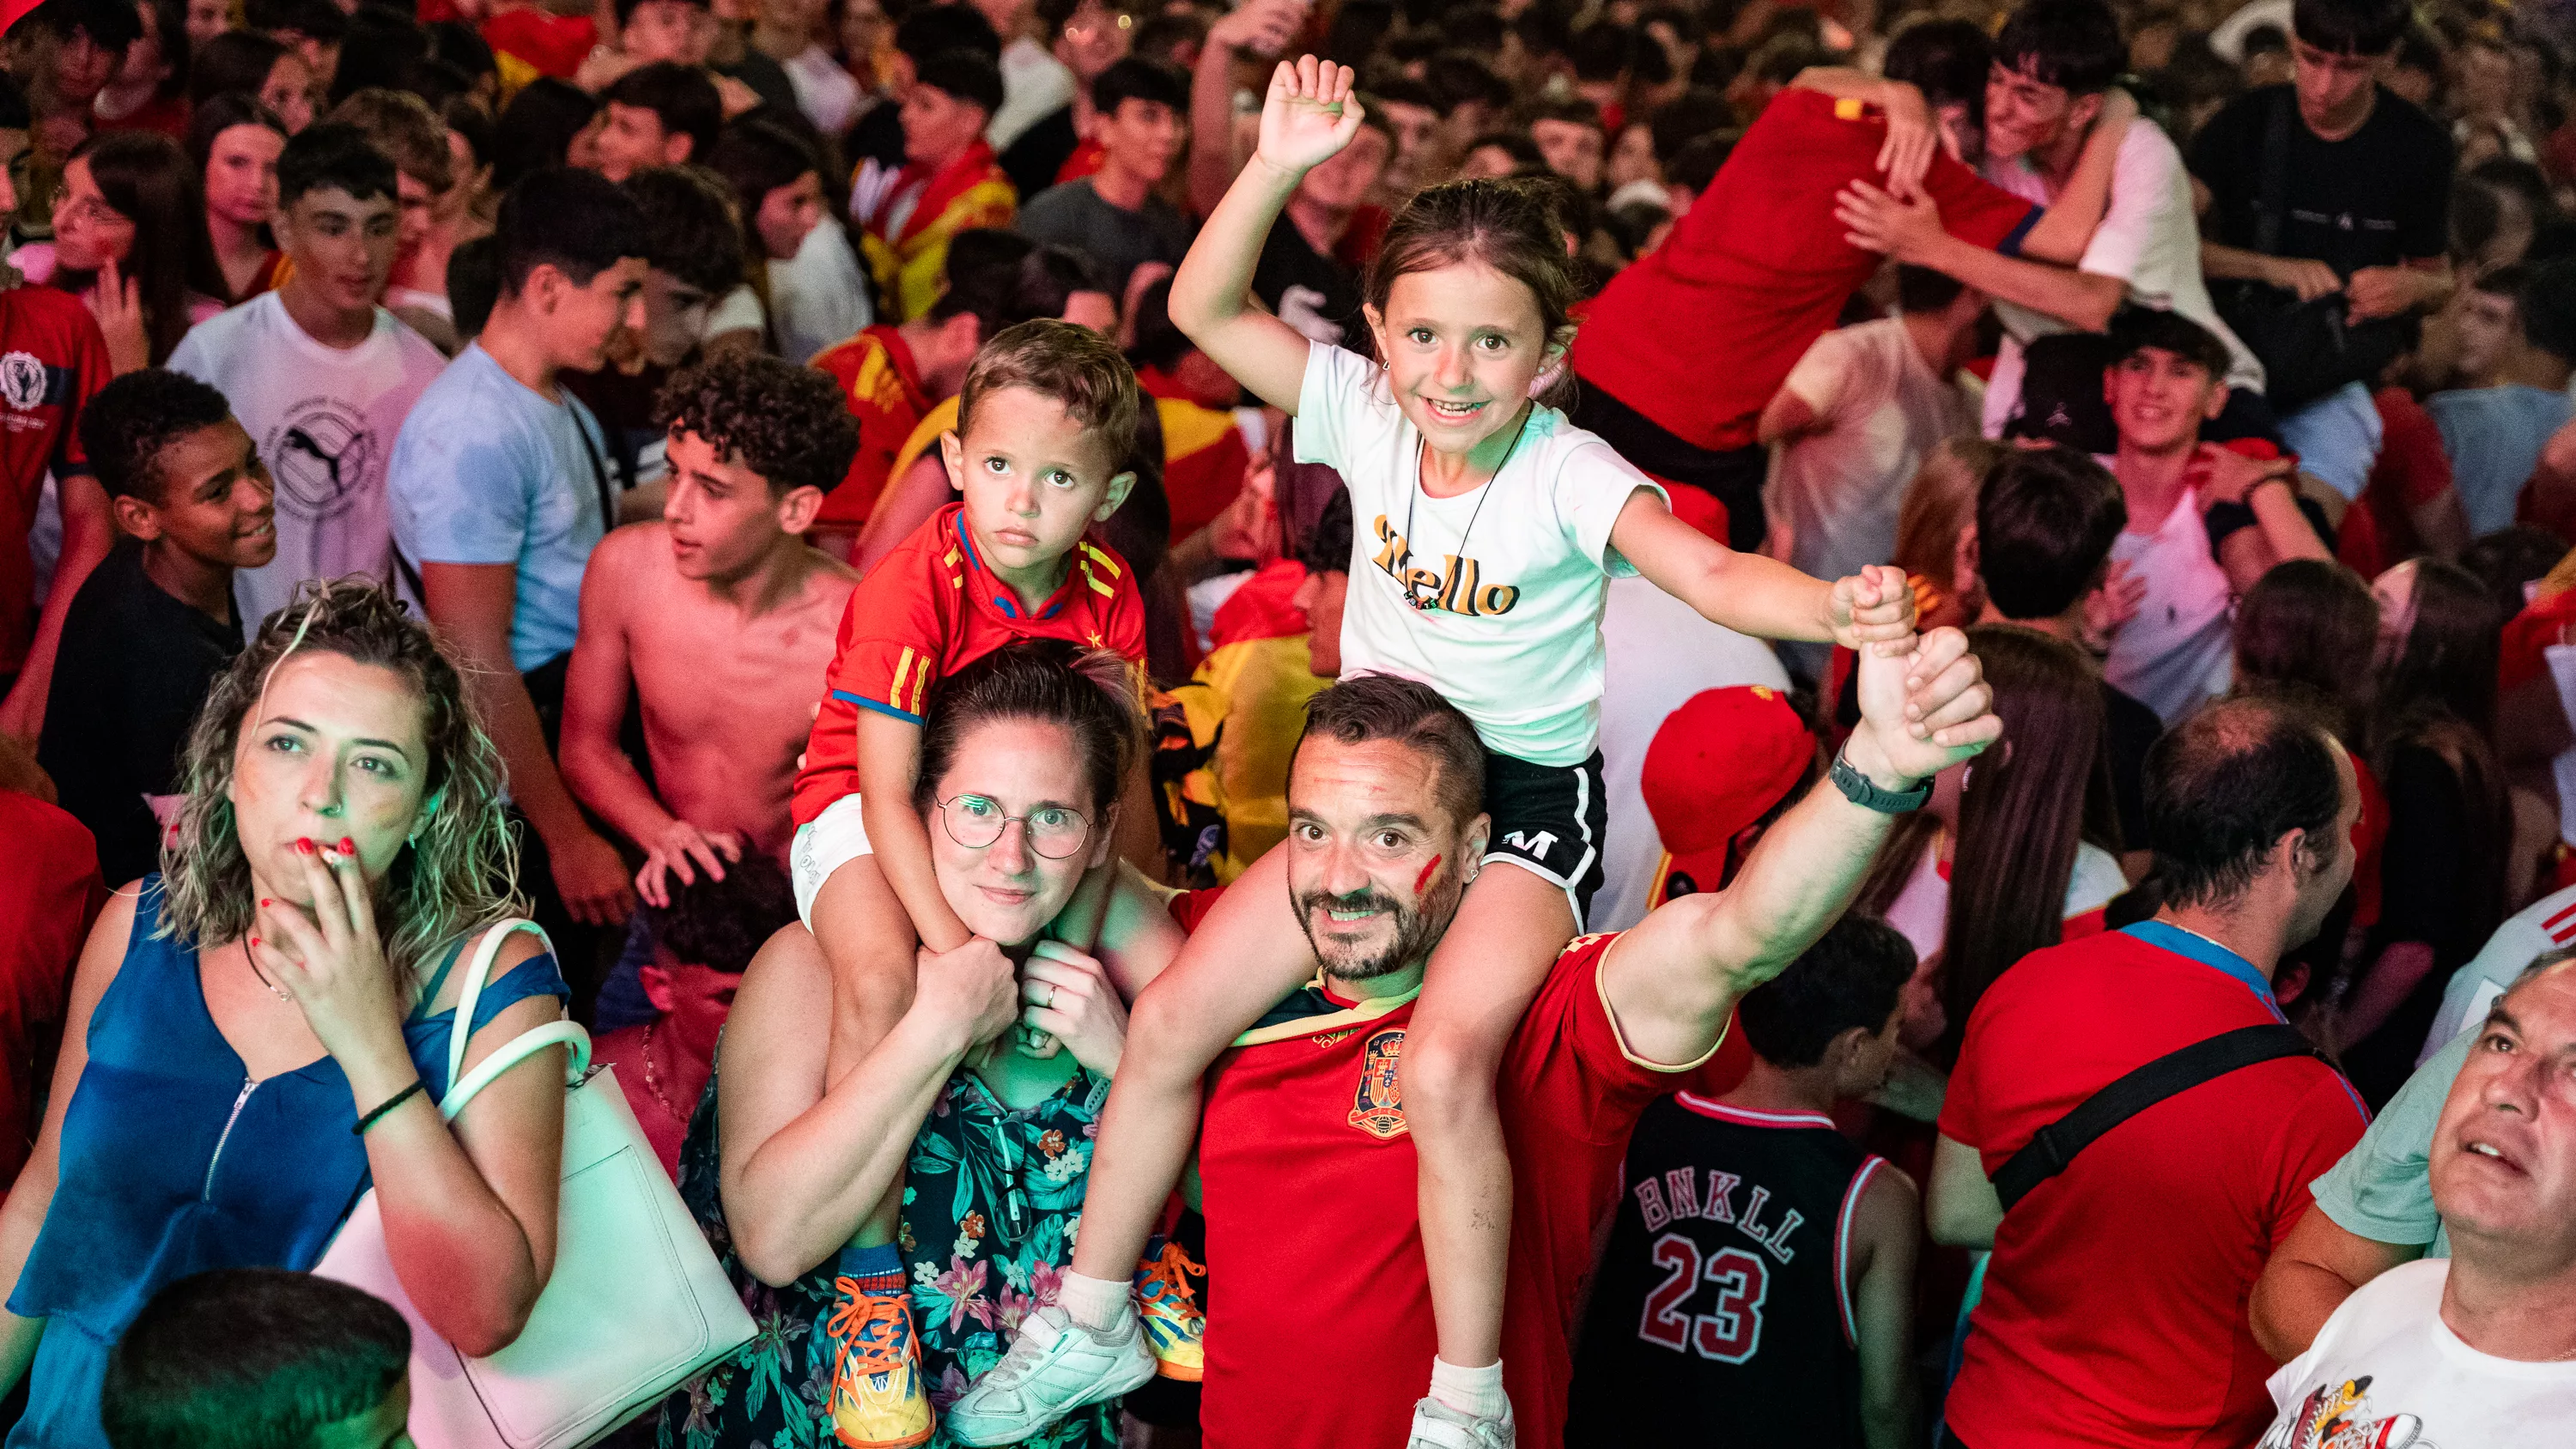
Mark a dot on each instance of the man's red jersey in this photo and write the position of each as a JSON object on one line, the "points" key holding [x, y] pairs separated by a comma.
{"points": [[881, 386], [2115, 1304], [931, 608], [1700, 332], [52, 360], [1308, 1170]]}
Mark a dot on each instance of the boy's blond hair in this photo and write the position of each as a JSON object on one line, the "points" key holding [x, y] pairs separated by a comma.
{"points": [[1076, 366]]}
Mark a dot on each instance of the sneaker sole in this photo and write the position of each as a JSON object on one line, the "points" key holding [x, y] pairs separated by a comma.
{"points": [[1128, 1382]]}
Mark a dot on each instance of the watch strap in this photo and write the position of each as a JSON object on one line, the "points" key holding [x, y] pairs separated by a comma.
{"points": [[1862, 791]]}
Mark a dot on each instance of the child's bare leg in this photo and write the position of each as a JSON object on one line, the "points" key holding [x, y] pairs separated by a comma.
{"points": [[869, 940], [1482, 976], [1243, 958]]}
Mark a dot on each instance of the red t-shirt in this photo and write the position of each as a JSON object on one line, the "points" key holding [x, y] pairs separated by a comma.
{"points": [[2114, 1309], [52, 360], [931, 608], [1309, 1181], [48, 896], [881, 386], [1700, 332]]}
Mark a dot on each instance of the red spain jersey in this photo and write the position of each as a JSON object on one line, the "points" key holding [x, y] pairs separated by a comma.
{"points": [[930, 609], [881, 386], [52, 361], [1308, 1170]]}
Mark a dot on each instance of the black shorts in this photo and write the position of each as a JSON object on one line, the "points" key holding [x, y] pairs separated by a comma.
{"points": [[1734, 476], [1548, 820]]}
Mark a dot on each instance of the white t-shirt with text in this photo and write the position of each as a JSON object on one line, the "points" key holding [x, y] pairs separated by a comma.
{"points": [[1879, 408], [1514, 572], [324, 422], [2386, 1370]]}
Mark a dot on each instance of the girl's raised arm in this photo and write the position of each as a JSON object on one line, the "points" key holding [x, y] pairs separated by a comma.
{"points": [[1310, 116]]}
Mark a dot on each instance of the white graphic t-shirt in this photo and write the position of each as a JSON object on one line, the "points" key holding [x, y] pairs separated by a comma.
{"points": [[1494, 596], [2387, 1373], [324, 422]]}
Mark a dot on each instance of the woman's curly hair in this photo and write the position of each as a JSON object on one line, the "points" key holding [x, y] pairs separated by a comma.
{"points": [[786, 422], [452, 878]]}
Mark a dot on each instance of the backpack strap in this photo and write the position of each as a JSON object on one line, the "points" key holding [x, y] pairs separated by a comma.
{"points": [[2272, 198], [2050, 1149]]}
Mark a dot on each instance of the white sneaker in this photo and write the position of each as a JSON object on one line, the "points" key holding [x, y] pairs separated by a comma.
{"points": [[1054, 1367], [1438, 1426]]}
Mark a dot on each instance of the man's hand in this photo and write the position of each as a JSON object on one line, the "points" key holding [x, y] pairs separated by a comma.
{"points": [[591, 878], [2114, 603], [2227, 476], [1921, 712], [2387, 291], [1912, 138], [2310, 279], [1907, 229], [1263, 27], [1874, 606], [680, 845]]}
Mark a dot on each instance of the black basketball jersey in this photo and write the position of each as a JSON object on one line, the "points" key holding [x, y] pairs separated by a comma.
{"points": [[1722, 1311]]}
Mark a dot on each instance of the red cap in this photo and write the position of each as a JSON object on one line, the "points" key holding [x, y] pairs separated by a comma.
{"points": [[1716, 765]]}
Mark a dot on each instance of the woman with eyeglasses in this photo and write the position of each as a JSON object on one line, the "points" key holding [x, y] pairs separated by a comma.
{"points": [[982, 1098], [130, 240]]}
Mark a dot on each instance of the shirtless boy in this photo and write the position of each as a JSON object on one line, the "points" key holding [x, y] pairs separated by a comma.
{"points": [[721, 615]]}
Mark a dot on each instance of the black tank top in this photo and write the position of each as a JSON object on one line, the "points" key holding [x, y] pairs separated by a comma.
{"points": [[1721, 1314]]}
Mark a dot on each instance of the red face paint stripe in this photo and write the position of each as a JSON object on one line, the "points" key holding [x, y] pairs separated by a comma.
{"points": [[1423, 879]]}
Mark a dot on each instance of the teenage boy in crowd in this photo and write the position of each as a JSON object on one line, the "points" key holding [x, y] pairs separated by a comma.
{"points": [[265, 1356], [2494, 429], [1088, 37], [40, 437], [720, 616], [693, 260], [318, 371], [1759, 267], [2364, 203], [1758, 1284], [949, 181], [155, 623], [2053, 67], [2077, 1339], [663, 114], [2203, 522], [501, 488], [1115, 215], [64, 52]]}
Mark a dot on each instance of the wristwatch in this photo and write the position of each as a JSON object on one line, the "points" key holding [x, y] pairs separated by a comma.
{"points": [[1858, 789]]}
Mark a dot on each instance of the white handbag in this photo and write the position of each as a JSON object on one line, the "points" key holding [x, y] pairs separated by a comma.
{"points": [[636, 1304]]}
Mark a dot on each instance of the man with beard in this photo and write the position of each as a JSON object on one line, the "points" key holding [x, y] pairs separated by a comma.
{"points": [[1304, 1154]]}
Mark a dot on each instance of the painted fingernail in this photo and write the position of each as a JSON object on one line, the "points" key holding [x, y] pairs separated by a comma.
{"points": [[348, 846], [304, 844]]}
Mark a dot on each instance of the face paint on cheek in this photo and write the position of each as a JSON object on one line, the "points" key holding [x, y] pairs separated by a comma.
{"points": [[1424, 879]]}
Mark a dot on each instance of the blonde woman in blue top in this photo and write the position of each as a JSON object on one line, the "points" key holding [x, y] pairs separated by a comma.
{"points": [[260, 1030]]}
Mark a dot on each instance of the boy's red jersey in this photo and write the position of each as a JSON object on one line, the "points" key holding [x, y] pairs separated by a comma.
{"points": [[929, 609]]}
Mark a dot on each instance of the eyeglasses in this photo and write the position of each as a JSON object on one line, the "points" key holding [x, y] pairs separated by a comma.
{"points": [[976, 821]]}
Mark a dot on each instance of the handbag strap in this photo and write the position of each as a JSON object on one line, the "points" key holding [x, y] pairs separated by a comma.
{"points": [[478, 974], [566, 1034], [2050, 1149], [2272, 199]]}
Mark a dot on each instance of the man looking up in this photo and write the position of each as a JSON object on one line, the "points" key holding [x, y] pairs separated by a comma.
{"points": [[2363, 207], [318, 371], [948, 184], [500, 490], [721, 615], [2077, 1339], [2473, 1348], [1139, 119], [663, 114]]}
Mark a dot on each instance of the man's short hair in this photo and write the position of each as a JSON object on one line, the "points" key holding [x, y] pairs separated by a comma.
{"points": [[577, 222], [1572, 110], [1326, 547], [1366, 707], [1694, 113], [1946, 60], [2074, 44], [2224, 785], [681, 96], [250, 1358], [689, 228], [720, 924], [2046, 520], [1921, 289], [1132, 79], [2547, 306], [473, 283], [128, 424], [111, 24], [15, 114], [931, 29], [1850, 978], [333, 156], [2352, 27], [404, 127], [785, 422], [626, 8], [983, 272], [1076, 366], [317, 20], [1459, 77], [965, 75], [2137, 329]]}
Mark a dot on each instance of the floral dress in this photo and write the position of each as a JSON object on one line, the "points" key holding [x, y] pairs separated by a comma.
{"points": [[992, 1201]]}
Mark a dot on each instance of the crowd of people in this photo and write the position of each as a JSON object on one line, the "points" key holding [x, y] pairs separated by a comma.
{"points": [[1977, 851]]}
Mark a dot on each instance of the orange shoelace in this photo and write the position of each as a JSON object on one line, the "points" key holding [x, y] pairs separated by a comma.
{"points": [[874, 1329]]}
